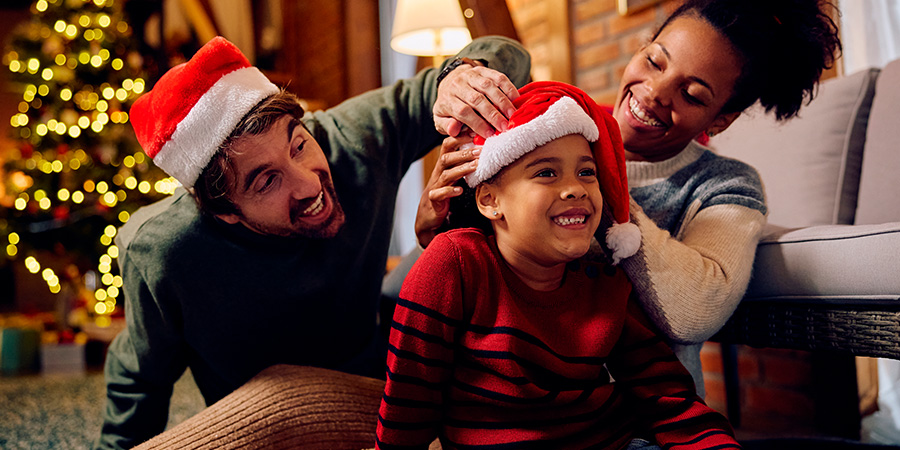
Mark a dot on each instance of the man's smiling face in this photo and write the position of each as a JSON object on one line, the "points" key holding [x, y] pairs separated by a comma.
{"points": [[282, 184]]}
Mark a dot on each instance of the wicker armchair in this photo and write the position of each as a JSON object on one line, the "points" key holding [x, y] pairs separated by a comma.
{"points": [[843, 326], [826, 277], [783, 310]]}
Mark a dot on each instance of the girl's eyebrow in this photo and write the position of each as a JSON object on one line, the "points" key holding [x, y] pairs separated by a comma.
{"points": [[549, 159], [554, 159]]}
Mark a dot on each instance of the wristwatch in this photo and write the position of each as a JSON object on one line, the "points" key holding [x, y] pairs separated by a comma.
{"points": [[452, 66]]}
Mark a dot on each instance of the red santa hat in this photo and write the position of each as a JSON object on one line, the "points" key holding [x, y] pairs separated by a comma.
{"points": [[549, 110], [195, 106]]}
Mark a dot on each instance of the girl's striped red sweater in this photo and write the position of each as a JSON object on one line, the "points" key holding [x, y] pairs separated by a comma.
{"points": [[482, 361]]}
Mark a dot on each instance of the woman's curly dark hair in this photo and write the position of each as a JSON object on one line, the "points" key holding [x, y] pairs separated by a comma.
{"points": [[784, 44]]}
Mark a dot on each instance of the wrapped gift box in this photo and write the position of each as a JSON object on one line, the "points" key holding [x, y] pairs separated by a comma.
{"points": [[19, 350]]}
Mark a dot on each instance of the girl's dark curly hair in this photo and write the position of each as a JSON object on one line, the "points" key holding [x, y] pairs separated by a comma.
{"points": [[464, 212], [785, 45]]}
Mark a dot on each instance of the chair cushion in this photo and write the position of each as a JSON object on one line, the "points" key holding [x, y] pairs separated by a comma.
{"points": [[879, 192], [840, 263], [810, 164]]}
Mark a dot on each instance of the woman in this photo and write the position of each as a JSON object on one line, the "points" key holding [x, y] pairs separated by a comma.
{"points": [[700, 215]]}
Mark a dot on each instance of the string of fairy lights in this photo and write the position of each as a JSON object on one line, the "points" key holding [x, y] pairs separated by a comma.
{"points": [[94, 108]]}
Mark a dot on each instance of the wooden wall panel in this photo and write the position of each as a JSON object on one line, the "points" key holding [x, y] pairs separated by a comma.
{"points": [[363, 46], [312, 58], [331, 49]]}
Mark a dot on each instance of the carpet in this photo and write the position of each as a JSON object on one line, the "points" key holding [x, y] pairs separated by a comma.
{"points": [[64, 411]]}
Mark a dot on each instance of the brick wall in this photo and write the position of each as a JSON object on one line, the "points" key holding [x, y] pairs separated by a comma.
{"points": [[532, 19], [775, 390], [601, 41], [776, 394]]}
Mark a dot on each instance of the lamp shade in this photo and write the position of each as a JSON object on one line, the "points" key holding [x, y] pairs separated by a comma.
{"points": [[429, 28]]}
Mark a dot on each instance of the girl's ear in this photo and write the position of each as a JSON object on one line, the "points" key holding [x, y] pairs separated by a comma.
{"points": [[486, 199]]}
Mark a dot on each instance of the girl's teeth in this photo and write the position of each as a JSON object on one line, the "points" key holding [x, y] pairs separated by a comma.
{"points": [[641, 115], [569, 220], [316, 207]]}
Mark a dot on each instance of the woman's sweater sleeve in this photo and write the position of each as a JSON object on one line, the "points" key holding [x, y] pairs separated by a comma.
{"points": [[690, 286]]}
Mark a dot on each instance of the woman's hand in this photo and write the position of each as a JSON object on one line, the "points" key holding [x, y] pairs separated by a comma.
{"points": [[458, 158], [475, 97]]}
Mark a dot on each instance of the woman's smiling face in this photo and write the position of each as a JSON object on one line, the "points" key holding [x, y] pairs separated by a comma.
{"points": [[674, 88]]}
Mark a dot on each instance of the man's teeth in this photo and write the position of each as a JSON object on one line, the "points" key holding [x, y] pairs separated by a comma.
{"points": [[570, 220], [316, 207], [641, 115]]}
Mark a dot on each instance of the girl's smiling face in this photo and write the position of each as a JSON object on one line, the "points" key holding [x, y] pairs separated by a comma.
{"points": [[674, 88], [548, 204]]}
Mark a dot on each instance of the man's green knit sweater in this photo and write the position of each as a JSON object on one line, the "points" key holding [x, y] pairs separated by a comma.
{"points": [[228, 302]]}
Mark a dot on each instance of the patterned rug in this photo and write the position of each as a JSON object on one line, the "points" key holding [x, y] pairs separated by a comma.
{"points": [[64, 411]]}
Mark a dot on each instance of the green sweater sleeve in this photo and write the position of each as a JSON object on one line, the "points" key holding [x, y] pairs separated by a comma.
{"points": [[144, 360], [394, 124], [142, 365]]}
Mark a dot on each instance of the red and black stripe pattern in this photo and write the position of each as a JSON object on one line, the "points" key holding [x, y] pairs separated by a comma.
{"points": [[483, 362]]}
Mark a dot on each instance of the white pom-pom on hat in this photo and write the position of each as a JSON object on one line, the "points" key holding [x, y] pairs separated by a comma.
{"points": [[624, 240]]}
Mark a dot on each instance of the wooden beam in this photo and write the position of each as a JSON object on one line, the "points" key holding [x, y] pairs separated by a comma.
{"points": [[488, 17], [200, 19]]}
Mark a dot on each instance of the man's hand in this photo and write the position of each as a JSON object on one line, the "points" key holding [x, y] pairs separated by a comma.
{"points": [[458, 158], [474, 96]]}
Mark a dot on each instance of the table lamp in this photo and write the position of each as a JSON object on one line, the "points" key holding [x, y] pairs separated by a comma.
{"points": [[433, 28]]}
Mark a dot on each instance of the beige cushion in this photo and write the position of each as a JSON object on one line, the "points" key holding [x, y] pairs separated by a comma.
{"points": [[828, 263], [879, 188], [810, 164]]}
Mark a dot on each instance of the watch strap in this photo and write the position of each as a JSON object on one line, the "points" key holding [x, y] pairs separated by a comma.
{"points": [[451, 66]]}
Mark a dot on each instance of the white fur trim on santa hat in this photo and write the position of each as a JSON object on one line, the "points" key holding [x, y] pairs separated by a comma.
{"points": [[624, 240], [562, 118], [210, 121]]}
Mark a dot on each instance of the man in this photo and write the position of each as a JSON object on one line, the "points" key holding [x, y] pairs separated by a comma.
{"points": [[276, 252]]}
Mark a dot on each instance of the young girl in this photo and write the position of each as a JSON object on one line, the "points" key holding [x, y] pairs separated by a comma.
{"points": [[507, 338]]}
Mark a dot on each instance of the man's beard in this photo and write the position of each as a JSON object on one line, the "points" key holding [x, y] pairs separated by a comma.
{"points": [[325, 230]]}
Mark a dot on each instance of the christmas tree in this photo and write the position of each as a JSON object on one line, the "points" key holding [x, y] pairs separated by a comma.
{"points": [[77, 172]]}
